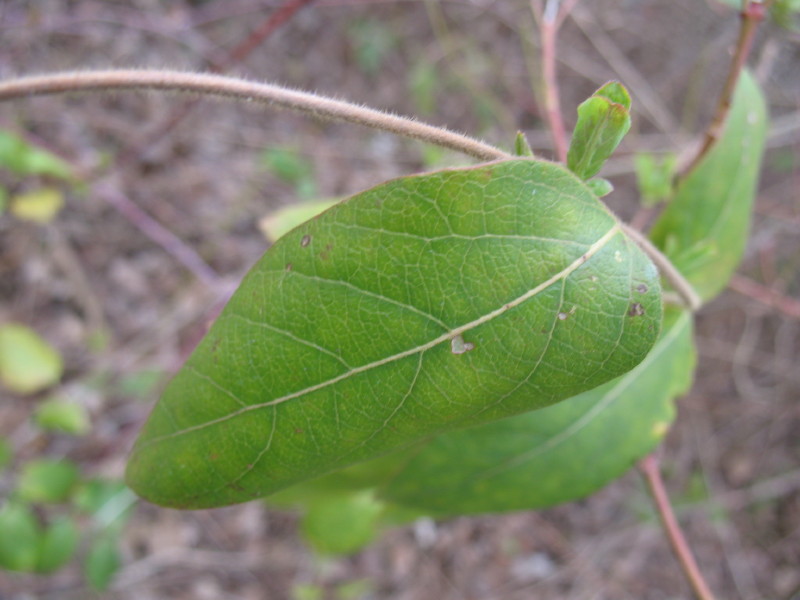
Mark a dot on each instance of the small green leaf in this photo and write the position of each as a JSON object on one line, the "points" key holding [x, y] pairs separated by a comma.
{"points": [[427, 304], [46, 480], [557, 454], [57, 545], [785, 14], [21, 158], [521, 145], [600, 186], [6, 453], [372, 41], [703, 231], [19, 538], [62, 415], [342, 523], [615, 92], [277, 224], [102, 562], [109, 501], [358, 589], [307, 591], [603, 120], [28, 364], [141, 383], [292, 167], [654, 177], [423, 83]]}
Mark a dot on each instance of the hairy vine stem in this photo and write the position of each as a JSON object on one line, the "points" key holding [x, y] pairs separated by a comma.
{"points": [[232, 87], [311, 104]]}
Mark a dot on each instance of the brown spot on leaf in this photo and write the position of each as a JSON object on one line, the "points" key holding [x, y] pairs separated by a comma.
{"points": [[289, 266], [636, 310], [305, 241], [641, 288]]}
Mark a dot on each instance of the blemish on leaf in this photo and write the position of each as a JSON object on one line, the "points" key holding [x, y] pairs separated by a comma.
{"points": [[636, 310], [289, 266], [563, 316], [459, 346], [641, 288], [618, 256], [305, 241], [326, 252]]}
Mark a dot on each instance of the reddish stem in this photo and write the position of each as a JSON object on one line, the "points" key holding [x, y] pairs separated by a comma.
{"points": [[162, 236], [750, 16], [552, 102], [235, 56], [650, 468], [261, 33], [761, 293]]}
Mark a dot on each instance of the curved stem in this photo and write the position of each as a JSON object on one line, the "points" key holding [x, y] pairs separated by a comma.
{"points": [[548, 28], [232, 87], [651, 471], [752, 14]]}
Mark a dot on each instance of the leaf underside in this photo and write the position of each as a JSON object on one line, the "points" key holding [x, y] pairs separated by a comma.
{"points": [[426, 304], [558, 454], [704, 229]]}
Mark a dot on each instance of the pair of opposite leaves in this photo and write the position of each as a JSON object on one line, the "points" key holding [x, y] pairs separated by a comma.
{"points": [[426, 304]]}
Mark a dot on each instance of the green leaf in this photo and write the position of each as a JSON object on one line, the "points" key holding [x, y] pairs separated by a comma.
{"points": [[38, 206], [307, 591], [600, 187], [21, 158], [703, 231], [62, 415], [556, 454], [46, 480], [292, 167], [6, 453], [521, 145], [102, 562], [277, 224], [57, 545], [654, 177], [423, 84], [142, 383], [19, 538], [603, 120], [342, 523], [373, 41], [426, 304], [28, 364]]}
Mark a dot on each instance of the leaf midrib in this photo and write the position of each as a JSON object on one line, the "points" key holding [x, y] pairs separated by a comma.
{"points": [[446, 337]]}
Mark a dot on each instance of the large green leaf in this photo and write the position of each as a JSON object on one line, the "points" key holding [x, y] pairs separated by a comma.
{"points": [[556, 454], [423, 305], [704, 229]]}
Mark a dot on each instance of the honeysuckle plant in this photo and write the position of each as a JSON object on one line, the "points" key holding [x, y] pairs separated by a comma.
{"points": [[470, 340]]}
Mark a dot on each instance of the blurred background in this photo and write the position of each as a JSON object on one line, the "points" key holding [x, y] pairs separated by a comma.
{"points": [[127, 219]]}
